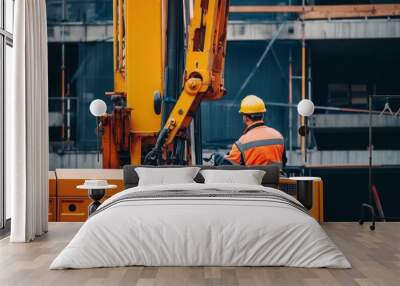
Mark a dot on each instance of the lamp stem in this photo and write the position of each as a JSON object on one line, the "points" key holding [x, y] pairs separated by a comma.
{"points": [[97, 141], [305, 139]]}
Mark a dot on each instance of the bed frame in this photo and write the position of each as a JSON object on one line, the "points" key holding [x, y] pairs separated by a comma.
{"points": [[271, 179]]}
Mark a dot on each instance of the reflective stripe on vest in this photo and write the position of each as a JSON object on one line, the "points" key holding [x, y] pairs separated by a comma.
{"points": [[258, 143], [243, 147]]}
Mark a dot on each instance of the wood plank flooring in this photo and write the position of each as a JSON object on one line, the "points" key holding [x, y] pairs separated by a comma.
{"points": [[375, 257]]}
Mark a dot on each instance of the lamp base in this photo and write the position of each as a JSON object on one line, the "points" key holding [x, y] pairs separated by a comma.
{"points": [[96, 195]]}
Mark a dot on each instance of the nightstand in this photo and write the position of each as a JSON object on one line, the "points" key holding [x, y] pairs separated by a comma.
{"points": [[96, 191]]}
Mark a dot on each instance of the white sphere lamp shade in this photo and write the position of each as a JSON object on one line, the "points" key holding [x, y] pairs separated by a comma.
{"points": [[98, 107], [305, 107]]}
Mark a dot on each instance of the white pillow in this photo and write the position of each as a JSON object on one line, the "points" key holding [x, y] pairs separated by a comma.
{"points": [[166, 176], [248, 177]]}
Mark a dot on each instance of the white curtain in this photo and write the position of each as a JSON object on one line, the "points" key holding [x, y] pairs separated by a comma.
{"points": [[27, 123]]}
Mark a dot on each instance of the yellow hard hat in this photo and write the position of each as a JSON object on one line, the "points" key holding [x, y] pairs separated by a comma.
{"points": [[252, 104]]}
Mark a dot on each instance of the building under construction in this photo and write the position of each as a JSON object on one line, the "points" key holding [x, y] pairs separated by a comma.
{"points": [[272, 47], [281, 51]]}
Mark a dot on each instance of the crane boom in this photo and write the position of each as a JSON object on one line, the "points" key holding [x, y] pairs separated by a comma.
{"points": [[203, 79], [132, 129]]}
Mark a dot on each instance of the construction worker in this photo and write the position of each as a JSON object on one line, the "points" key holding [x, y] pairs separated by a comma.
{"points": [[259, 144]]}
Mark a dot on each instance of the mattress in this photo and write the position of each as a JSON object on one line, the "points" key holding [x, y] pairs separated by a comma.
{"points": [[201, 225]]}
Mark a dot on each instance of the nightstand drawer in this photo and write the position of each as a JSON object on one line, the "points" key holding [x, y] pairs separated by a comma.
{"points": [[73, 209]]}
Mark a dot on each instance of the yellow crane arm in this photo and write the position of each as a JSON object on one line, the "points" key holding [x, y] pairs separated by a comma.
{"points": [[203, 78]]}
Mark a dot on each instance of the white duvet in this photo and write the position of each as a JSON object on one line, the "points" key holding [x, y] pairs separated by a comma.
{"points": [[200, 231]]}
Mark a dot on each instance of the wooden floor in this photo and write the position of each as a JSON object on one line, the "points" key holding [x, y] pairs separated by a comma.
{"points": [[375, 257]]}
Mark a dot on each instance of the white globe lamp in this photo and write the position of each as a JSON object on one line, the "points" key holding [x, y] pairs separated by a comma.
{"points": [[98, 107], [305, 107]]}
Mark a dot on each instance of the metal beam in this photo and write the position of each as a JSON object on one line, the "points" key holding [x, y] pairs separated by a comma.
{"points": [[248, 31], [335, 121], [314, 12], [347, 158], [336, 158], [316, 30], [80, 32]]}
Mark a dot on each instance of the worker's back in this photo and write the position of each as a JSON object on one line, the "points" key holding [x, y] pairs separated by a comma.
{"points": [[260, 145]]}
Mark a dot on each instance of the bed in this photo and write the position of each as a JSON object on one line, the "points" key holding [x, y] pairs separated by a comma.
{"points": [[201, 224]]}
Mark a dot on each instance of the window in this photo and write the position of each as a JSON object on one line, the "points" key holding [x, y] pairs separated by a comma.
{"points": [[8, 13], [350, 95], [6, 43]]}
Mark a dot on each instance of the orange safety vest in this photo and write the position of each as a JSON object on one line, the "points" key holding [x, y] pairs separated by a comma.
{"points": [[259, 145]]}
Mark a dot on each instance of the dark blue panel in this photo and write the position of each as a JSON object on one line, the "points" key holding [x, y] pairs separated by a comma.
{"points": [[93, 78]]}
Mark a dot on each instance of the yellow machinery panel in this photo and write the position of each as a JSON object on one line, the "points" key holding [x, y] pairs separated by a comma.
{"points": [[144, 62]]}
